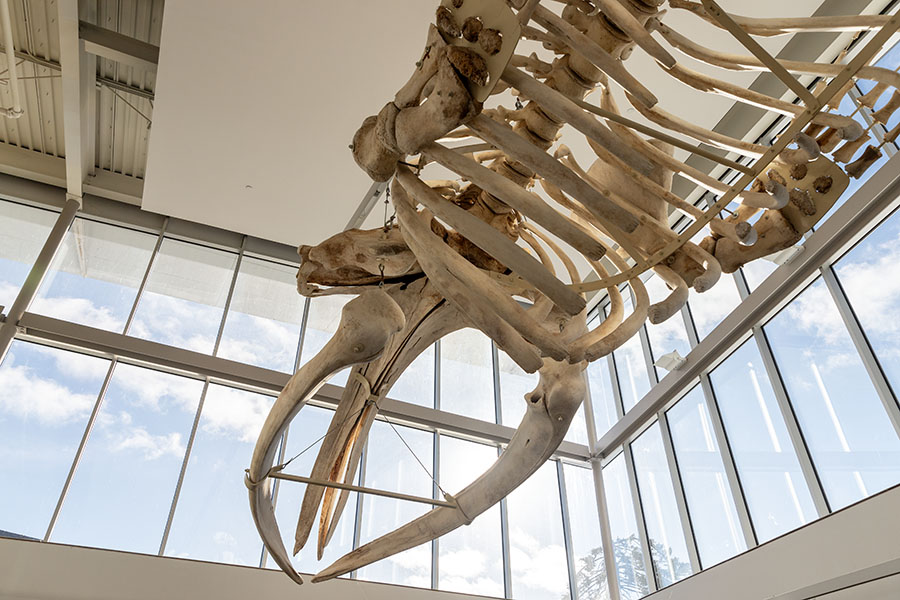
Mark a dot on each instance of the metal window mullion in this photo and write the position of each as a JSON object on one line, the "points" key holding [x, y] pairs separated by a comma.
{"points": [[731, 473], [437, 375], [861, 343], [79, 452], [357, 525], [609, 552], [146, 277], [689, 327], [495, 370], [567, 529], [184, 466], [589, 421], [435, 493], [504, 544], [227, 307], [684, 516], [649, 566], [37, 273], [648, 355], [801, 450], [614, 381]]}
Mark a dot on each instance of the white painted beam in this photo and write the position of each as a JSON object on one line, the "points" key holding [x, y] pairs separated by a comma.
{"points": [[78, 81]]}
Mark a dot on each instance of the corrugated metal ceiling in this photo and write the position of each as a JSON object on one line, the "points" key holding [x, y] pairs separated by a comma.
{"points": [[122, 116]]}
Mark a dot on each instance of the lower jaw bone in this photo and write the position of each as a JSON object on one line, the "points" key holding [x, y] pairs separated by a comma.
{"points": [[367, 322], [551, 407]]}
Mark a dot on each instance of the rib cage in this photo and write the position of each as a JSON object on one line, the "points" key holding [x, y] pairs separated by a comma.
{"points": [[460, 260]]}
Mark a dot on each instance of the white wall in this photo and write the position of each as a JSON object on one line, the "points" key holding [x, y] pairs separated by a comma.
{"points": [[858, 544], [39, 571]]}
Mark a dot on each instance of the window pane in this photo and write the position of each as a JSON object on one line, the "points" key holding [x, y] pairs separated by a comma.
{"points": [[631, 369], [416, 385], [630, 569], [122, 491], [870, 276], [587, 545], [603, 400], [304, 436], [854, 446], [23, 230], [713, 514], [757, 271], [471, 558], [185, 295], [667, 546], [321, 323], [537, 553], [391, 466], [467, 379], [46, 396], [709, 308], [777, 495], [94, 278], [212, 519], [263, 323], [670, 334]]}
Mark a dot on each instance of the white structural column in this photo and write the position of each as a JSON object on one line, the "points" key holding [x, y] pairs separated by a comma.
{"points": [[79, 72]]}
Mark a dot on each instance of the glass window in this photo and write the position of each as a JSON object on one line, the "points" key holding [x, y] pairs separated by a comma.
{"points": [[709, 308], [416, 385], [46, 397], [670, 334], [852, 442], [263, 323], [870, 277], [94, 278], [470, 558], [467, 377], [631, 572], [391, 466], [122, 491], [603, 400], [185, 295], [757, 271], [631, 368], [23, 231], [777, 495], [212, 518], [321, 323], [304, 439], [667, 544], [537, 549], [713, 514], [587, 545]]}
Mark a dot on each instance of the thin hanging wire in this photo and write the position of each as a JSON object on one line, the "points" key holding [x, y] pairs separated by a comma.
{"points": [[421, 464]]}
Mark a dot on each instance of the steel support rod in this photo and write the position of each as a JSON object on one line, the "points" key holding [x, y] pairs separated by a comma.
{"points": [[360, 489], [38, 271]]}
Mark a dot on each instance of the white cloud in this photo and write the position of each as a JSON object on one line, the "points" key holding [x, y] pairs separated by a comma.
{"points": [[234, 413], [150, 388], [78, 310], [465, 563], [152, 446], [27, 396], [536, 565], [75, 365]]}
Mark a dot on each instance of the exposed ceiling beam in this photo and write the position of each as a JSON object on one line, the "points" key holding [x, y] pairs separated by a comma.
{"points": [[51, 170], [118, 47], [366, 205], [79, 71]]}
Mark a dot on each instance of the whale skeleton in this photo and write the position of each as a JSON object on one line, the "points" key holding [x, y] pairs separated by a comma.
{"points": [[466, 252]]}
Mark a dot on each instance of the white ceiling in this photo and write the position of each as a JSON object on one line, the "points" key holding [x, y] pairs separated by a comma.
{"points": [[256, 104]]}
